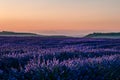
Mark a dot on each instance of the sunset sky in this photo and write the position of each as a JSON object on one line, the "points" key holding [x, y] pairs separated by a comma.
{"points": [[68, 17]]}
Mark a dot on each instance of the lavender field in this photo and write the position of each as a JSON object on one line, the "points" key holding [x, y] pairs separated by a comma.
{"points": [[47, 58]]}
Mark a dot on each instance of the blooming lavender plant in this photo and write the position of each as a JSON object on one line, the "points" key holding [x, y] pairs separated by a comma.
{"points": [[47, 58]]}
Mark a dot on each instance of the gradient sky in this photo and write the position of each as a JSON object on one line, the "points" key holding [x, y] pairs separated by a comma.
{"points": [[71, 17]]}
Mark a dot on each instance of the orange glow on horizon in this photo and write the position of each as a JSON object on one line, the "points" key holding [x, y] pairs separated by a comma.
{"points": [[42, 16]]}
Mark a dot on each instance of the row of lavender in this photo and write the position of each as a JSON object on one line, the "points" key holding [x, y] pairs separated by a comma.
{"points": [[38, 58]]}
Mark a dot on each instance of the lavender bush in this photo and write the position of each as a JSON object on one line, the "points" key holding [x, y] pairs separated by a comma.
{"points": [[47, 58]]}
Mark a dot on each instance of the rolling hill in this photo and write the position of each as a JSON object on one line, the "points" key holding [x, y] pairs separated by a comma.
{"points": [[8, 33], [103, 35]]}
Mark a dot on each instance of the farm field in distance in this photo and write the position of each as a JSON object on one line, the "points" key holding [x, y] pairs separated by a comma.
{"points": [[48, 58]]}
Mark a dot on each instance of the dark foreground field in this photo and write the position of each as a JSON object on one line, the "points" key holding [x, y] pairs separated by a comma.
{"points": [[37, 58]]}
